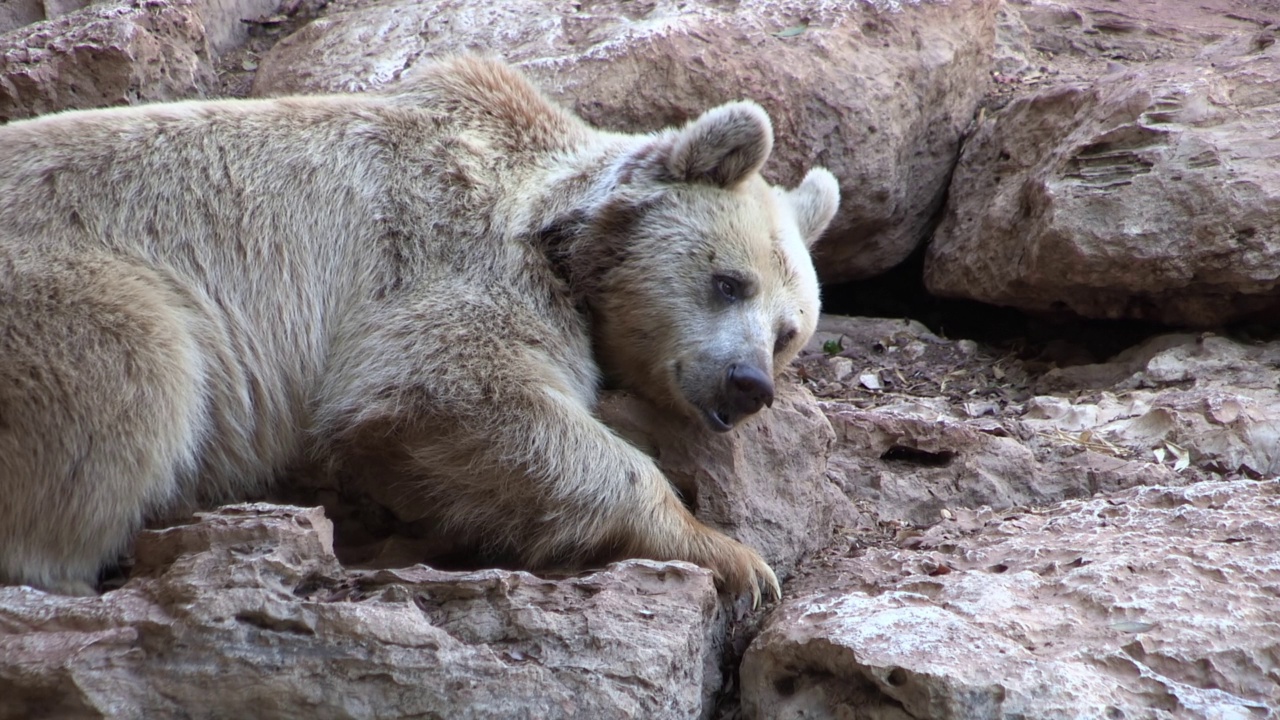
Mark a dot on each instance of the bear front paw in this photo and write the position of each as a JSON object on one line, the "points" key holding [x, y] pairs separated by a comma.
{"points": [[738, 569]]}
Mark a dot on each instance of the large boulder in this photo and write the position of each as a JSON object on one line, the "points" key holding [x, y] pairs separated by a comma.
{"points": [[1151, 192], [1150, 603], [112, 54], [879, 92], [246, 613], [16, 13], [117, 52]]}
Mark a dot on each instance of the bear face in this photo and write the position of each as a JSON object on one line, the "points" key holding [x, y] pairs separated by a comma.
{"points": [[713, 291]]}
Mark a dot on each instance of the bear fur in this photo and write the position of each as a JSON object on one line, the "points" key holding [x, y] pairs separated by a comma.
{"points": [[197, 297]]}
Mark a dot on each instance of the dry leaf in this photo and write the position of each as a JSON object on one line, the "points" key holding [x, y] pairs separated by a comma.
{"points": [[1132, 626], [1183, 455], [792, 31]]}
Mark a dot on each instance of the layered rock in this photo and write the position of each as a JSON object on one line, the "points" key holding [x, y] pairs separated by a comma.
{"points": [[1080, 39], [246, 613], [1150, 192], [1152, 603], [949, 425], [879, 92]]}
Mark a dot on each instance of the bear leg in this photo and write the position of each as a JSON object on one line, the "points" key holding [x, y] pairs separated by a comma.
{"points": [[549, 482], [100, 403]]}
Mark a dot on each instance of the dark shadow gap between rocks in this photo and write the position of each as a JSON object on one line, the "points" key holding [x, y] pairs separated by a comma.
{"points": [[1062, 339], [915, 456]]}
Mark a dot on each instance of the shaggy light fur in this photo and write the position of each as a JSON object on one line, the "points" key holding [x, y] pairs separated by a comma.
{"points": [[197, 296]]}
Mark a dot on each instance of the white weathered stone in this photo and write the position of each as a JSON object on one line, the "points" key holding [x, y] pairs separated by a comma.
{"points": [[1213, 397], [246, 613], [1152, 603]]}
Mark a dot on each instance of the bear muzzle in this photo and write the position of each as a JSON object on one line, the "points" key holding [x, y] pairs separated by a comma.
{"points": [[746, 389]]}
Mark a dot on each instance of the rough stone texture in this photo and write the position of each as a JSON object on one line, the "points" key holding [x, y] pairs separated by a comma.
{"points": [[1209, 397], [222, 18], [16, 13], [912, 463], [1150, 192], [955, 426], [764, 484], [1151, 603], [1083, 38], [879, 92], [112, 54], [246, 613]]}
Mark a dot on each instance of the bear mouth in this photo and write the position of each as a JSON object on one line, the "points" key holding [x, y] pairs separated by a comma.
{"points": [[719, 420]]}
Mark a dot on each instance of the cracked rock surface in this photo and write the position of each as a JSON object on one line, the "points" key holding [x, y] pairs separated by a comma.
{"points": [[1150, 603], [246, 613], [1135, 174], [111, 54]]}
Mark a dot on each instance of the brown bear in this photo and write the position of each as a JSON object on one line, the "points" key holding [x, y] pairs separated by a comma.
{"points": [[197, 296]]}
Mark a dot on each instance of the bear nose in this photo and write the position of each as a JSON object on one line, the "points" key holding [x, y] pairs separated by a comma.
{"points": [[749, 388]]}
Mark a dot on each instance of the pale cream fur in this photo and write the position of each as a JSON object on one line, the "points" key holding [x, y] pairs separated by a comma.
{"points": [[196, 297]]}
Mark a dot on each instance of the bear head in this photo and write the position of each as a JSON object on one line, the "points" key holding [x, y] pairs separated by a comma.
{"points": [[709, 289]]}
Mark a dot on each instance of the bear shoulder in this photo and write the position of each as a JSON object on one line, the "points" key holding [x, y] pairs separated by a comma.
{"points": [[493, 99]]}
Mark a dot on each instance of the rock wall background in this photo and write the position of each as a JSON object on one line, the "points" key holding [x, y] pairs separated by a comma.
{"points": [[1014, 530]]}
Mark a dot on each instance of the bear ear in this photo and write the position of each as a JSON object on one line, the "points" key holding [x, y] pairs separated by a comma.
{"points": [[815, 202], [722, 147]]}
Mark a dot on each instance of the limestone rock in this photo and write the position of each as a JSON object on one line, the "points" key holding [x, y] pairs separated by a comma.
{"points": [[1080, 39], [912, 464], [1194, 401], [224, 19], [878, 91], [1151, 603], [112, 54], [246, 613], [954, 426], [16, 13], [1149, 193]]}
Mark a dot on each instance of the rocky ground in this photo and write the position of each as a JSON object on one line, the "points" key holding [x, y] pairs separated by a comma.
{"points": [[1057, 526], [1097, 537]]}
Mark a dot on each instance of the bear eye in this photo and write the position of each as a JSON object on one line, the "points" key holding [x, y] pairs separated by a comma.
{"points": [[730, 288], [784, 339]]}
